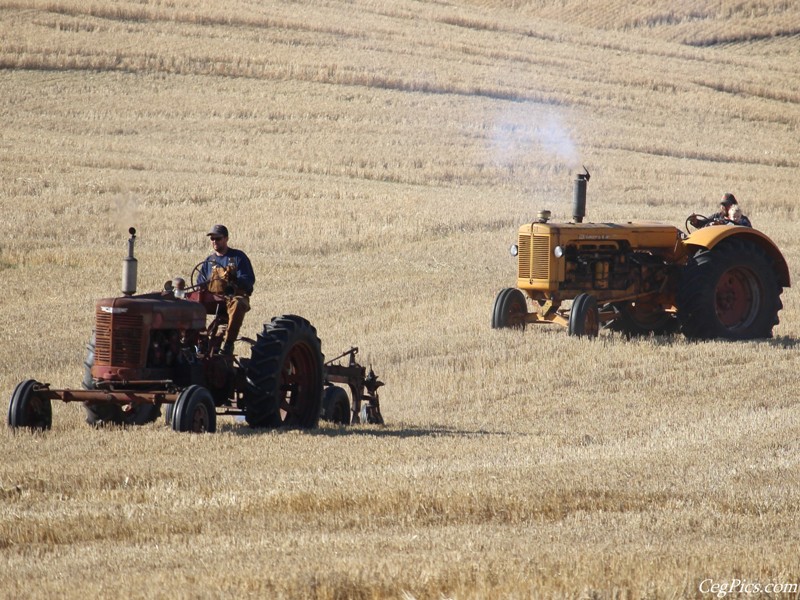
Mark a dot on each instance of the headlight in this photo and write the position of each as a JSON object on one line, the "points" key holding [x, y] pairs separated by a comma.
{"points": [[558, 251], [514, 250]]}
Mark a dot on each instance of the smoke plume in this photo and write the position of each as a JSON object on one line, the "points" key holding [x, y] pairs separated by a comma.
{"points": [[524, 130]]}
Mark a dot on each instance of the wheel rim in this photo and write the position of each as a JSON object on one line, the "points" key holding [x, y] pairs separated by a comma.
{"points": [[297, 382], [737, 298], [200, 420], [591, 326], [340, 412], [515, 313], [33, 411]]}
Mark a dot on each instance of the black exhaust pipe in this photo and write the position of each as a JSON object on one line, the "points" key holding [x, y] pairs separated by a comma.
{"points": [[579, 199]]}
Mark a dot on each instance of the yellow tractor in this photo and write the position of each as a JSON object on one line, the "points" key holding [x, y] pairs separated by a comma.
{"points": [[720, 281]]}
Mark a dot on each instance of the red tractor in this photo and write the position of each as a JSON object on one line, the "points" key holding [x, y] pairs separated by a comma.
{"points": [[163, 349]]}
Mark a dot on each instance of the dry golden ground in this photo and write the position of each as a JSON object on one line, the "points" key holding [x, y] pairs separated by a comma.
{"points": [[374, 160]]}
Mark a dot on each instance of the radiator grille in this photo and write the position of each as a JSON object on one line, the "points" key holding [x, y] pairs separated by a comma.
{"points": [[524, 257], [118, 340], [541, 257]]}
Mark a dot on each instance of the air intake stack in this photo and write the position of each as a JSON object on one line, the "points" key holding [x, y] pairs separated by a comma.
{"points": [[579, 199], [129, 267]]}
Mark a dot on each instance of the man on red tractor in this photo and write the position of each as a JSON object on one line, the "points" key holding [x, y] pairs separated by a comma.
{"points": [[228, 272]]}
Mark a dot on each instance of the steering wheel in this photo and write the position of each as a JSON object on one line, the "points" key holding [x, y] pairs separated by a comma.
{"points": [[705, 221], [196, 273], [699, 221]]}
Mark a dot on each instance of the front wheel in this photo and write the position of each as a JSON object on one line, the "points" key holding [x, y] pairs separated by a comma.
{"points": [[730, 291], [584, 317], [510, 309], [194, 411], [26, 409]]}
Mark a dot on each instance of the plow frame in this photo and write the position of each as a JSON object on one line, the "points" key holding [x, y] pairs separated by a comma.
{"points": [[364, 401]]}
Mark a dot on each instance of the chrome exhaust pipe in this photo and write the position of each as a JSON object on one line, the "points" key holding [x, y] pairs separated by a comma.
{"points": [[129, 267]]}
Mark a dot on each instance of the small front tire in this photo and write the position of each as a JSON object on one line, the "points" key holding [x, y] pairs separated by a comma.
{"points": [[26, 409], [584, 317], [510, 309], [194, 411]]}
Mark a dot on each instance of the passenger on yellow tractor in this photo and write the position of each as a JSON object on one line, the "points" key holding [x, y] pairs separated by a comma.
{"points": [[735, 215], [228, 272]]}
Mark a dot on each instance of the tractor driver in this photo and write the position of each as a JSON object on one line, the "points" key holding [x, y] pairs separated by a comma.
{"points": [[228, 272], [728, 201]]}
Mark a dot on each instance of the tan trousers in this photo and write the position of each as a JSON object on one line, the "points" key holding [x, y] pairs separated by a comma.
{"points": [[237, 306]]}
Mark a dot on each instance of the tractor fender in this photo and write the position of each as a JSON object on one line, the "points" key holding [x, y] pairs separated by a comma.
{"points": [[708, 237]]}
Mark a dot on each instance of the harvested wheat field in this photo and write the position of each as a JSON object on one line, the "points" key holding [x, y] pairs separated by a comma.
{"points": [[375, 160]]}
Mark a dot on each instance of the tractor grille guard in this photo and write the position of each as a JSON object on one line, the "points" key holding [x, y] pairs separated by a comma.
{"points": [[534, 257], [118, 339]]}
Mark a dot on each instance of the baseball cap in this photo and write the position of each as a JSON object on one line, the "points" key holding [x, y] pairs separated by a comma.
{"points": [[728, 199], [218, 230]]}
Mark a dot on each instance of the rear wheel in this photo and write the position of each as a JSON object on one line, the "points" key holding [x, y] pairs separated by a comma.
{"points": [[730, 291], [285, 375], [336, 405], [510, 309], [584, 317], [194, 411], [26, 409]]}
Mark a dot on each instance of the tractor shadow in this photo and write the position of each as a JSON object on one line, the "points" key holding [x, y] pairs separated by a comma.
{"points": [[400, 430], [781, 342], [403, 431], [784, 342]]}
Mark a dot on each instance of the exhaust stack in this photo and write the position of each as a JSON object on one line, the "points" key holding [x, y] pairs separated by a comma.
{"points": [[129, 267], [579, 199]]}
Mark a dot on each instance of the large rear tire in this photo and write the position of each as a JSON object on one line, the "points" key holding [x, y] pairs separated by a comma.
{"points": [[285, 375], [584, 317], [100, 413], [510, 309], [26, 409], [730, 291]]}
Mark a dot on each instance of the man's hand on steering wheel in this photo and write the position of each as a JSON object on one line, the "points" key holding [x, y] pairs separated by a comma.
{"points": [[696, 221], [699, 221]]}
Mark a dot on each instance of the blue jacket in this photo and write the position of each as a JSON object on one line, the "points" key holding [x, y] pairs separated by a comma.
{"points": [[244, 270]]}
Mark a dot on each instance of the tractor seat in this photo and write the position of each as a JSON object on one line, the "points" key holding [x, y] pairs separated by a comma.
{"points": [[213, 303]]}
